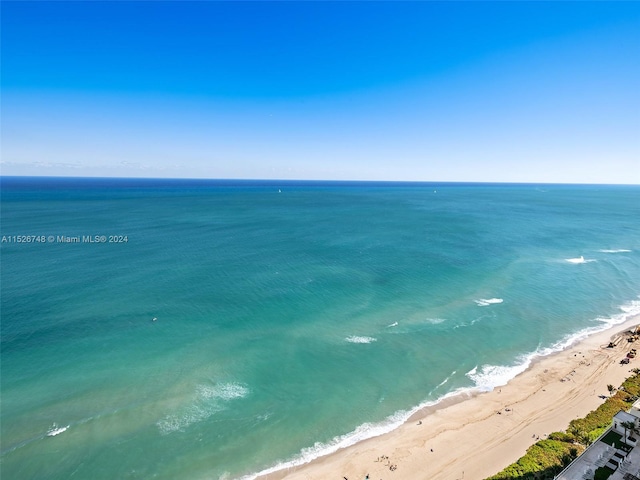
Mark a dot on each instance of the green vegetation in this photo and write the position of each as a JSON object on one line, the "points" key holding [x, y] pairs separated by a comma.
{"points": [[548, 457], [602, 473], [613, 438]]}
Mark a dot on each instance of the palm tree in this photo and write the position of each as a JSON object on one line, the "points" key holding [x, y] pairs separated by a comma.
{"points": [[627, 425]]}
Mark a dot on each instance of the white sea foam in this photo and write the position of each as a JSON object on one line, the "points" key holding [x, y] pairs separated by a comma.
{"points": [[474, 321], [486, 377], [435, 321], [415, 325], [362, 432], [394, 324], [186, 417], [485, 302], [632, 308], [223, 391], [445, 380], [207, 401], [619, 250], [358, 339], [578, 260], [55, 430]]}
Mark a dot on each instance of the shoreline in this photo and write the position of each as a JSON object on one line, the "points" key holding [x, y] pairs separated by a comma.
{"points": [[463, 436]]}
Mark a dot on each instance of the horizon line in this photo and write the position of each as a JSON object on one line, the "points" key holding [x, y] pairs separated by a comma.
{"points": [[309, 181]]}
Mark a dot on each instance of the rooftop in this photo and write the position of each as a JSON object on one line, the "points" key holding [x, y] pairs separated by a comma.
{"points": [[608, 451], [623, 416]]}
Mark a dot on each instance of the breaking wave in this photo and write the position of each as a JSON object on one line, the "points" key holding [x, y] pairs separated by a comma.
{"points": [[55, 430], [358, 339], [488, 377], [485, 302], [578, 260], [360, 433], [207, 401], [485, 378]]}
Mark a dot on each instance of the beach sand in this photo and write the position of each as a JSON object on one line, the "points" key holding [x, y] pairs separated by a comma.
{"points": [[477, 436]]}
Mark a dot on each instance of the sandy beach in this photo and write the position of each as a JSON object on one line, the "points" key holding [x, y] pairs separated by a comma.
{"points": [[477, 436]]}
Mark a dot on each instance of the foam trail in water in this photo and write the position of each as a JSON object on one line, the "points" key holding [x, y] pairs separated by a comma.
{"points": [[445, 380], [435, 321], [619, 250], [208, 400], [223, 391], [358, 339], [485, 302], [55, 430], [394, 324]]}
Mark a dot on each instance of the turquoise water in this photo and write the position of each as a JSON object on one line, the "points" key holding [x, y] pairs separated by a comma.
{"points": [[288, 323]]}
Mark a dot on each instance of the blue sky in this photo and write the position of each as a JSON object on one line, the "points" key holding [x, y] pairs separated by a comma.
{"points": [[433, 91]]}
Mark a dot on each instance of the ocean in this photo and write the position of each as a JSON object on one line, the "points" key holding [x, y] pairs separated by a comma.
{"points": [[202, 329]]}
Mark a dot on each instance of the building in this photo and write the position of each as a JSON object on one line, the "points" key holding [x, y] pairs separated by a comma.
{"points": [[615, 449]]}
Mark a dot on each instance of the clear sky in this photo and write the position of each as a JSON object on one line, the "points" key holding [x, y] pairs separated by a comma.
{"points": [[433, 91]]}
